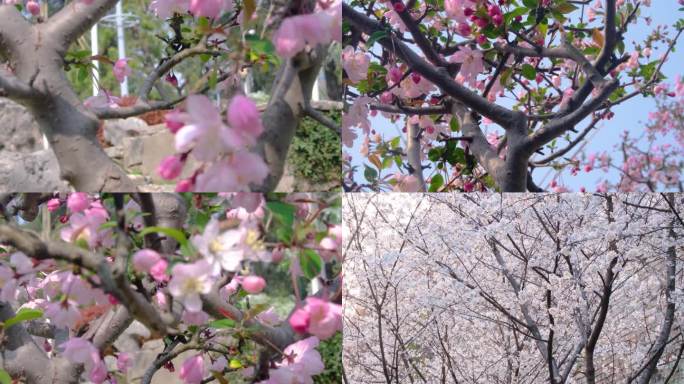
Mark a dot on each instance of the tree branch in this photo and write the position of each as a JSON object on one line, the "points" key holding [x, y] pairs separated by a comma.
{"points": [[74, 20], [500, 115]]}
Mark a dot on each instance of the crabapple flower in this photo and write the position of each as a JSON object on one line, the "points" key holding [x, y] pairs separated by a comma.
{"points": [[233, 174], [78, 201], [206, 133], [318, 317], [269, 317], [471, 63], [192, 370], [53, 205], [253, 284], [250, 201], [355, 64], [121, 70], [228, 249], [171, 167], [320, 27], [158, 271], [243, 116], [210, 8], [124, 362], [145, 259], [188, 281], [166, 8], [80, 351], [86, 226], [302, 362], [406, 183], [33, 7], [221, 250]]}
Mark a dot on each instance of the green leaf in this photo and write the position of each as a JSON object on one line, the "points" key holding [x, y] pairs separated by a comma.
{"points": [[436, 182], [565, 8], [528, 71], [375, 36], [310, 262], [453, 124], [260, 45], [284, 212], [515, 13], [531, 3], [173, 233], [5, 377], [370, 174], [24, 314], [435, 153], [82, 74], [223, 323]]}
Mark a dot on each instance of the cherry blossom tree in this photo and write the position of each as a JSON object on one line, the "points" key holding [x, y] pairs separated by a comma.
{"points": [[242, 151], [508, 288], [486, 92], [190, 268]]}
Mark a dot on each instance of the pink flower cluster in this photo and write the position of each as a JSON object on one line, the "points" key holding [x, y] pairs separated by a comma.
{"points": [[226, 164], [318, 317], [81, 351], [322, 26]]}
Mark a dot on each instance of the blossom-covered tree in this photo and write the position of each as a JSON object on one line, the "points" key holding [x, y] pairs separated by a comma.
{"points": [[508, 288], [195, 270], [242, 151], [485, 92]]}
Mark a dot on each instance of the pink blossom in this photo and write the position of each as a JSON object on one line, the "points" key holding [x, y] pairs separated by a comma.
{"points": [[78, 201], [53, 205], [253, 284], [195, 318], [33, 7], [455, 9], [210, 8], [250, 201], [124, 362], [406, 183], [166, 8], [174, 120], [189, 281], [303, 362], [234, 174], [170, 167], [471, 63], [296, 32], [205, 132], [219, 364], [145, 259], [299, 320], [318, 317], [81, 351], [121, 70], [355, 64], [158, 271], [269, 317], [192, 370], [243, 116]]}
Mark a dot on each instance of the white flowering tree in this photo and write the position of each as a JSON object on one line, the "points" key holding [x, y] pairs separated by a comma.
{"points": [[199, 273], [243, 151], [456, 288]]}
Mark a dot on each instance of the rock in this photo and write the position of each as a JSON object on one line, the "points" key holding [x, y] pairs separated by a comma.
{"points": [[18, 128], [117, 129], [34, 172], [143, 154]]}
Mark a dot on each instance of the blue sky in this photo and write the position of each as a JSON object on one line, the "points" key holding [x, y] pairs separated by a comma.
{"points": [[630, 116]]}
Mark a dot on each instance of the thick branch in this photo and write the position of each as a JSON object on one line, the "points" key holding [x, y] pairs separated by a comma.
{"points": [[414, 153], [500, 115], [74, 20]]}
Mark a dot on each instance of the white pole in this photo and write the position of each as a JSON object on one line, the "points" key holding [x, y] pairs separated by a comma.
{"points": [[121, 40], [94, 50]]}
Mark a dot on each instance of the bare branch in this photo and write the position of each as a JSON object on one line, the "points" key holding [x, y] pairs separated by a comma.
{"points": [[74, 20]]}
